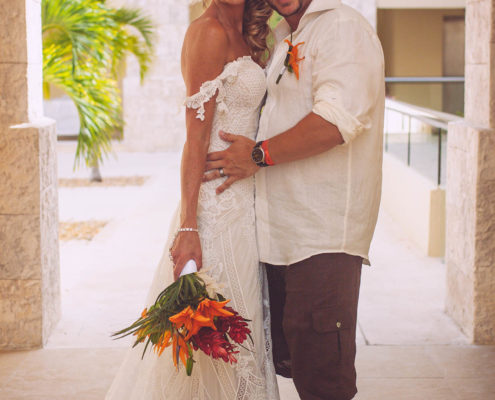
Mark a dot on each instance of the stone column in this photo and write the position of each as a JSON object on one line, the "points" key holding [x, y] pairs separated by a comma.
{"points": [[153, 112], [470, 251], [29, 256]]}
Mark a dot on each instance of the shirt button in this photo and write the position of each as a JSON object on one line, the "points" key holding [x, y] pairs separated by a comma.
{"points": [[339, 324]]}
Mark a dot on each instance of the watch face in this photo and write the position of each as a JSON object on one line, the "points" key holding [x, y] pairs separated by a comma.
{"points": [[257, 155]]}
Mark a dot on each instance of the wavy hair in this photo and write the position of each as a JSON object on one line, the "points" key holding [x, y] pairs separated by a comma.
{"points": [[256, 29]]}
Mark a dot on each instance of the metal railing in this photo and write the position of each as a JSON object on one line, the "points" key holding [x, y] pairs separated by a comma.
{"points": [[419, 134], [441, 93], [424, 79]]}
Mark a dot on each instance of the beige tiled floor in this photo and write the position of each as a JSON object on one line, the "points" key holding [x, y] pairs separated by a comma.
{"points": [[385, 373], [409, 349]]}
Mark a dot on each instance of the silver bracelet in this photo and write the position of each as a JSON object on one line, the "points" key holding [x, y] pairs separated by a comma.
{"points": [[184, 230], [187, 230]]}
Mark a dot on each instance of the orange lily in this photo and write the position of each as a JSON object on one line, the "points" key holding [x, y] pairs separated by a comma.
{"points": [[294, 59], [179, 341], [211, 308], [192, 321], [163, 342]]}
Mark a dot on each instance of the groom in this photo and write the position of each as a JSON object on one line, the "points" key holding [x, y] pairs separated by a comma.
{"points": [[318, 178]]}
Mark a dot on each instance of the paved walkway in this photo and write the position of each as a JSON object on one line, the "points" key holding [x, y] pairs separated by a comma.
{"points": [[408, 348]]}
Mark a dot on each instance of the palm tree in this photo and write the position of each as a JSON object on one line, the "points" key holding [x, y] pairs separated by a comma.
{"points": [[84, 43]]}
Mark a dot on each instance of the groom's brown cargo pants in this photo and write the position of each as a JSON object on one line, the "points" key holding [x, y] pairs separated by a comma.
{"points": [[313, 306]]}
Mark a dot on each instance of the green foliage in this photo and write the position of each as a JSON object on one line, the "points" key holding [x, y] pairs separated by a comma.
{"points": [[272, 22], [274, 19], [84, 43]]}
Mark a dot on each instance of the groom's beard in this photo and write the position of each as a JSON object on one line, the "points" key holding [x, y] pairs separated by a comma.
{"points": [[300, 5]]}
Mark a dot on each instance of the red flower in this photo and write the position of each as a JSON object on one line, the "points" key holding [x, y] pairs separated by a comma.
{"points": [[237, 326], [239, 332], [214, 344], [223, 324]]}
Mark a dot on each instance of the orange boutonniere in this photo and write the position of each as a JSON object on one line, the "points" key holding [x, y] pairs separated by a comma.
{"points": [[291, 60]]}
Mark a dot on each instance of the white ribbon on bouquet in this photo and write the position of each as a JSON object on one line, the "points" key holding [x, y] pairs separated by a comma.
{"points": [[189, 268]]}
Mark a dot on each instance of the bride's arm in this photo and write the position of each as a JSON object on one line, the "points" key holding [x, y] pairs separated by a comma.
{"points": [[204, 55]]}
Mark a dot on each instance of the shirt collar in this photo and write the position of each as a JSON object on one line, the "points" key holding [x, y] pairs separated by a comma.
{"points": [[316, 6]]}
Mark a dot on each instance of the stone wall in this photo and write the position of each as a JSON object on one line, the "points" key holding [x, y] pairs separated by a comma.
{"points": [[29, 256], [470, 203], [416, 204], [153, 112]]}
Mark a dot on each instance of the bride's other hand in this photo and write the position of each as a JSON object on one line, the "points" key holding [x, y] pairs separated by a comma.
{"points": [[186, 247]]}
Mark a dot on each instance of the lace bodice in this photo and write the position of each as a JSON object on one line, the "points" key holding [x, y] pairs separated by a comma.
{"points": [[241, 87]]}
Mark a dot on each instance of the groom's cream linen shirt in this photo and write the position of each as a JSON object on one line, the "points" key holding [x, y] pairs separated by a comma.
{"points": [[327, 203]]}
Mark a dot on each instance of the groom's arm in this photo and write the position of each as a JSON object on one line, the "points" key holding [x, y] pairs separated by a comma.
{"points": [[347, 79], [310, 136]]}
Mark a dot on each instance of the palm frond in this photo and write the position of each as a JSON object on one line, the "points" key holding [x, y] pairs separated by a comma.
{"points": [[83, 42], [97, 100], [83, 27], [136, 36], [133, 17]]}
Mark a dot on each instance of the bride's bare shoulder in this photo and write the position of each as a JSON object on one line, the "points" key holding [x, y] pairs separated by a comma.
{"points": [[206, 35], [204, 52]]}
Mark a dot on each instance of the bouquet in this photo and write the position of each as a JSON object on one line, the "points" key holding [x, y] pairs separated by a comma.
{"points": [[190, 315]]}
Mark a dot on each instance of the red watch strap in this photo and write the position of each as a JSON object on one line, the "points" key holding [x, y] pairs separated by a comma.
{"points": [[268, 159]]}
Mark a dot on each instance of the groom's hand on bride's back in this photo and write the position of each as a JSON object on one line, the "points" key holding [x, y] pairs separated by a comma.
{"points": [[235, 161]]}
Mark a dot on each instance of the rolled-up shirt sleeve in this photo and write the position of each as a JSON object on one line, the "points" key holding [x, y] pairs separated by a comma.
{"points": [[347, 76]]}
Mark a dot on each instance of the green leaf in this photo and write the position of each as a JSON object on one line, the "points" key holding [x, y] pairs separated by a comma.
{"points": [[83, 42], [189, 366]]}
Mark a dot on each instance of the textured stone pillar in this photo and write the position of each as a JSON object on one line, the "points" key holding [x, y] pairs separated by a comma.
{"points": [[29, 257], [470, 203], [153, 112]]}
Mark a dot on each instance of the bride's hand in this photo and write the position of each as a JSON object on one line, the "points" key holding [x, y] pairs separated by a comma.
{"points": [[186, 247]]}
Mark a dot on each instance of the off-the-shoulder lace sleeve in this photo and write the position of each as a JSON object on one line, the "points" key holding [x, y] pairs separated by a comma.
{"points": [[209, 88], [206, 92]]}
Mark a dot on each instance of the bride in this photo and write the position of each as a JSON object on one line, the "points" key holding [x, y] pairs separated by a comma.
{"points": [[222, 63]]}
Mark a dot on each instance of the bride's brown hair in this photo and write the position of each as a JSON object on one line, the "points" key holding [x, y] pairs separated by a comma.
{"points": [[256, 30]]}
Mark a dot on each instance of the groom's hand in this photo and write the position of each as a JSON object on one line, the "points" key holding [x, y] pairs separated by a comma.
{"points": [[236, 161]]}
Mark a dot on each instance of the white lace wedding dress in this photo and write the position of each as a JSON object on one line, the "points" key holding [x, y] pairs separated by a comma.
{"points": [[227, 231]]}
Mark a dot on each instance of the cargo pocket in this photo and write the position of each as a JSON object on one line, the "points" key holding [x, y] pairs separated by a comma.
{"points": [[333, 333]]}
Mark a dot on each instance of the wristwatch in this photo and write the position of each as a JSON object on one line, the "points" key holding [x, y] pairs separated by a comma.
{"points": [[258, 155]]}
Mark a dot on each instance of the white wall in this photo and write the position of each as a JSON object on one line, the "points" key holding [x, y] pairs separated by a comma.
{"points": [[421, 3], [416, 204]]}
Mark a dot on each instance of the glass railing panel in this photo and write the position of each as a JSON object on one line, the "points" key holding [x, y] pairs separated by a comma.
{"points": [[418, 137], [425, 157], [446, 95]]}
